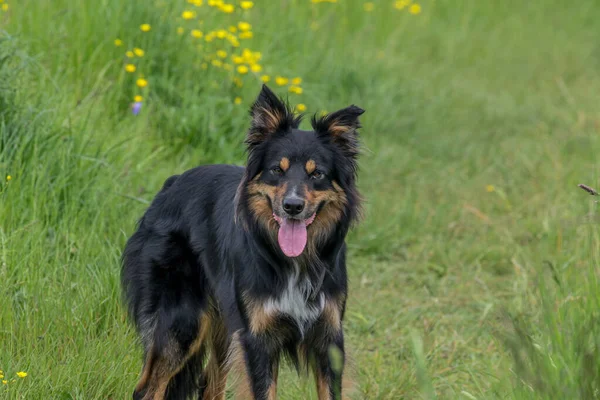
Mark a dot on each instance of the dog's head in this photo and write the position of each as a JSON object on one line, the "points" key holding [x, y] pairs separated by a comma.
{"points": [[299, 185]]}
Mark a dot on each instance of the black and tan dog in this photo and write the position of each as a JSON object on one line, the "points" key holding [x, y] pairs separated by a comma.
{"points": [[235, 267]]}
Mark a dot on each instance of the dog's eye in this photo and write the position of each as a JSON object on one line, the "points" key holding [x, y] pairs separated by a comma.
{"points": [[317, 175], [276, 171]]}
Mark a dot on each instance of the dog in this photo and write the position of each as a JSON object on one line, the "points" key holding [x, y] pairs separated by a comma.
{"points": [[233, 268]]}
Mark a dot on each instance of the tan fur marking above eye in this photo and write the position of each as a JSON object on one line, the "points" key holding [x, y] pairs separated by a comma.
{"points": [[284, 164], [310, 166]]}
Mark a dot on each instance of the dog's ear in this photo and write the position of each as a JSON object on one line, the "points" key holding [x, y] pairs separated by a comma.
{"points": [[341, 126], [270, 115]]}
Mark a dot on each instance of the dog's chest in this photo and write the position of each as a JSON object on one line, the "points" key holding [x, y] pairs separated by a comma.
{"points": [[298, 301]]}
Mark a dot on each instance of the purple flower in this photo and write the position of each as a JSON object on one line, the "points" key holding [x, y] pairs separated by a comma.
{"points": [[136, 107]]}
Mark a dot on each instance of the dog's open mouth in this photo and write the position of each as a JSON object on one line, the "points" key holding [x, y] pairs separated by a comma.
{"points": [[292, 235]]}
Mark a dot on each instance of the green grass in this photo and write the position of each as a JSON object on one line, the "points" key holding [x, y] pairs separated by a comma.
{"points": [[457, 292]]}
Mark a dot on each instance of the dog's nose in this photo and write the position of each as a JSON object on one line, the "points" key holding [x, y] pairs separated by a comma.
{"points": [[293, 205]]}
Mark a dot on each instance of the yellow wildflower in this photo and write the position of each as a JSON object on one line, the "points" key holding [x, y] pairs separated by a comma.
{"points": [[295, 89], [118, 42], [145, 27], [138, 52], [415, 9], [232, 29], [244, 26], [296, 81], [238, 59], [369, 6], [130, 54], [256, 68], [130, 68], [281, 81], [265, 78], [5, 7], [221, 54], [246, 5], [246, 35], [4, 381], [197, 3], [196, 33], [8, 177], [21, 374], [490, 188], [138, 98], [238, 100], [227, 8], [221, 33], [180, 30], [247, 54], [141, 82], [300, 107], [242, 69], [187, 14], [257, 55], [401, 4], [217, 63]]}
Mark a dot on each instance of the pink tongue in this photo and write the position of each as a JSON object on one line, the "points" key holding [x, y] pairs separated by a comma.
{"points": [[292, 237]]}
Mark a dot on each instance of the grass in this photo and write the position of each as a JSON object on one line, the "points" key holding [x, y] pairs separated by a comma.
{"points": [[474, 274]]}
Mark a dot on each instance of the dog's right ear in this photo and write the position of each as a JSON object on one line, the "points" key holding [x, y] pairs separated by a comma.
{"points": [[270, 115]]}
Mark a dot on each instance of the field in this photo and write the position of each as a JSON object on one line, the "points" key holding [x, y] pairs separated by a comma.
{"points": [[474, 274]]}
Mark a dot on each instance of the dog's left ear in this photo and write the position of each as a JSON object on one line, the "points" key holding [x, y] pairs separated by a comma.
{"points": [[341, 126], [270, 115]]}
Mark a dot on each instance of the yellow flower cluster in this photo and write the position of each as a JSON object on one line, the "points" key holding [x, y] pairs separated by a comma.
{"points": [[413, 8], [219, 47], [4, 5], [6, 381], [130, 67], [221, 5], [323, 1]]}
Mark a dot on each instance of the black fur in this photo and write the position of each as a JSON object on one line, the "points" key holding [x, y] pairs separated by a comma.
{"points": [[200, 250]]}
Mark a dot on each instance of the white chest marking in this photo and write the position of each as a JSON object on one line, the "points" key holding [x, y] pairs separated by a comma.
{"points": [[295, 301]]}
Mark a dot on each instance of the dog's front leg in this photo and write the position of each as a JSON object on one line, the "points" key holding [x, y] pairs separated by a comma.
{"points": [[325, 350], [261, 366], [328, 365]]}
